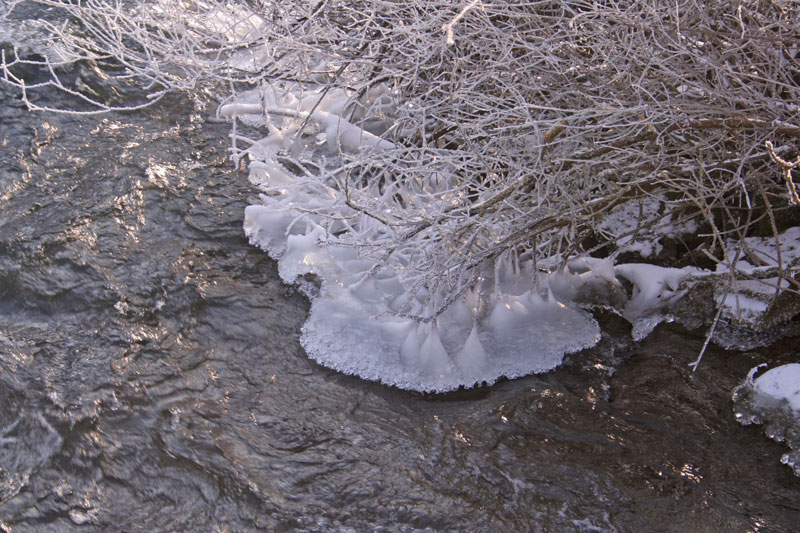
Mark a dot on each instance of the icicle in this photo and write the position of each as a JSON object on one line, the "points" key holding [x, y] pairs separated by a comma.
{"points": [[461, 313], [403, 304], [497, 277], [364, 289], [433, 356], [409, 351], [472, 298], [517, 304], [396, 330], [472, 357], [515, 263], [550, 296], [388, 284], [532, 299], [502, 314]]}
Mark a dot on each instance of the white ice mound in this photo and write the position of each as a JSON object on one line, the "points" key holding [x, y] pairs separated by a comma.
{"points": [[654, 288]]}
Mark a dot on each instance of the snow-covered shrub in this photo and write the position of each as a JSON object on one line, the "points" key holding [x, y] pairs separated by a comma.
{"points": [[446, 163]]}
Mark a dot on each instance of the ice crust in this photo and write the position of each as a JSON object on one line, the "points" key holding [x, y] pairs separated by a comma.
{"points": [[750, 303]]}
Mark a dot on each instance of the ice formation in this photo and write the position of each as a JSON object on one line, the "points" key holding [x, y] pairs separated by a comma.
{"points": [[364, 319], [773, 399], [352, 326]]}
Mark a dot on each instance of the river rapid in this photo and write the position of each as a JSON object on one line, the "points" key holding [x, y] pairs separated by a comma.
{"points": [[151, 377]]}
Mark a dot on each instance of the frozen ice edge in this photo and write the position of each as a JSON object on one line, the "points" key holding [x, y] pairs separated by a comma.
{"points": [[373, 348]]}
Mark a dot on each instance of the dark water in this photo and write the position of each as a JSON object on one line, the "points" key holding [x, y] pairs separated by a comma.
{"points": [[151, 378]]}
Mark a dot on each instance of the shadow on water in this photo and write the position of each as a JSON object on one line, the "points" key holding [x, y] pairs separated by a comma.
{"points": [[151, 378]]}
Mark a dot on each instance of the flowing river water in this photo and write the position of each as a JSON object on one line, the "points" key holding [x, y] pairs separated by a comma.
{"points": [[151, 378]]}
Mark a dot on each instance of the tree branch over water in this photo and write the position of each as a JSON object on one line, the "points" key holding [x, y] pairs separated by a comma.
{"points": [[473, 130]]}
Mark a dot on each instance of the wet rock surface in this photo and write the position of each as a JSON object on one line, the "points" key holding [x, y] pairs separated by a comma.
{"points": [[151, 378]]}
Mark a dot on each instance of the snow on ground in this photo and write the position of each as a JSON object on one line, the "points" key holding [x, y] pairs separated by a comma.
{"points": [[639, 225]]}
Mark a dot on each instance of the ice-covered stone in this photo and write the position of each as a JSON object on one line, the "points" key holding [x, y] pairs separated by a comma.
{"points": [[780, 387], [773, 400]]}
